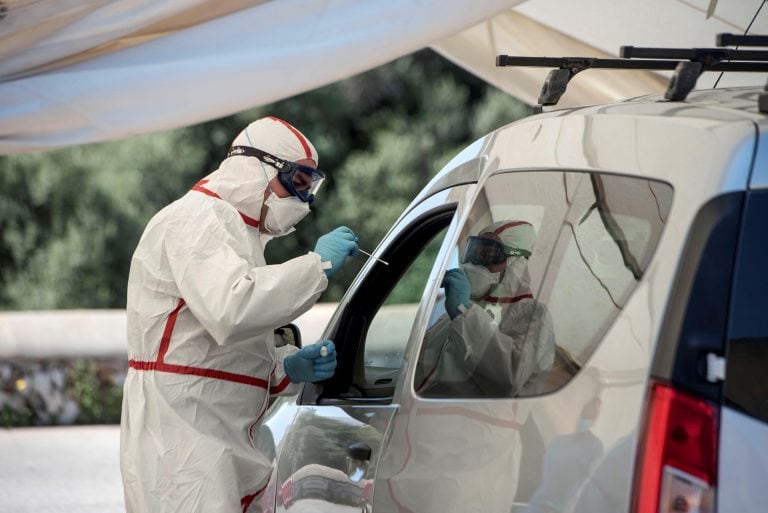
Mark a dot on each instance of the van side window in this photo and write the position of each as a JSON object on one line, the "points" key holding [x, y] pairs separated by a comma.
{"points": [[542, 267]]}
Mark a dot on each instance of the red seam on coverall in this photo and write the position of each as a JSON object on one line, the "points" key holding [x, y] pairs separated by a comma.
{"points": [[160, 365], [246, 501], [199, 188], [302, 140], [511, 224]]}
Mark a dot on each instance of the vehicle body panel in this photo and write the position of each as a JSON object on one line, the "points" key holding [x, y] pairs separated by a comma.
{"points": [[530, 454], [743, 463], [445, 454]]}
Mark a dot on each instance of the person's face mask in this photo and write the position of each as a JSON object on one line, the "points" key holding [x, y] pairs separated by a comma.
{"points": [[283, 214], [481, 280]]}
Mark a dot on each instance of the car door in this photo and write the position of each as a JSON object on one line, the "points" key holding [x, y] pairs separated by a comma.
{"points": [[332, 444]]}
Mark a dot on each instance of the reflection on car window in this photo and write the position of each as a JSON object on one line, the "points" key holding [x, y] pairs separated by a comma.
{"points": [[544, 264]]}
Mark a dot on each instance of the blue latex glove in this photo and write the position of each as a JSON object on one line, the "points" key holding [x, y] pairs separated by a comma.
{"points": [[335, 247], [456, 291], [307, 364]]}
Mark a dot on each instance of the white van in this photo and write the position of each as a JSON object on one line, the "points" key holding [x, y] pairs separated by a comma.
{"points": [[650, 219]]}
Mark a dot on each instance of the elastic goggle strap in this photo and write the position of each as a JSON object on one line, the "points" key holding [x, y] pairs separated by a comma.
{"points": [[267, 158], [517, 252], [286, 171]]}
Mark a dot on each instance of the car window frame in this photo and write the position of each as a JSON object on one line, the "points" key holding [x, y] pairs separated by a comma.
{"points": [[348, 311]]}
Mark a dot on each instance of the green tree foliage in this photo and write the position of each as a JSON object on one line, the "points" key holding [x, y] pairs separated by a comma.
{"points": [[99, 398], [71, 218]]}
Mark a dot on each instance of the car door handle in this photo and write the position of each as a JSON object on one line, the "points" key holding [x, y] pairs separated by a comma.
{"points": [[358, 455]]}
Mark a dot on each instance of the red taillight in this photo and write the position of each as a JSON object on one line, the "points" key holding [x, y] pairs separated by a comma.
{"points": [[677, 465]]}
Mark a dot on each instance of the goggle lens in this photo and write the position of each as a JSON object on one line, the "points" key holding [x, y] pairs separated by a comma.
{"points": [[302, 181], [482, 251], [485, 251]]}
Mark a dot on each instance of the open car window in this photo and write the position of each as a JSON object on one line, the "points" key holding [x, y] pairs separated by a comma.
{"points": [[375, 325], [390, 327]]}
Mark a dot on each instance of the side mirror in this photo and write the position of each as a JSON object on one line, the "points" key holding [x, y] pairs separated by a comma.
{"points": [[288, 335]]}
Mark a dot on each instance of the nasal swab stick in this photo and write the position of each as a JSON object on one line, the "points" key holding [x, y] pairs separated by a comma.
{"points": [[377, 259]]}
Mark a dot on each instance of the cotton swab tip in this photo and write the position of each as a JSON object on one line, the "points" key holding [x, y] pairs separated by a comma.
{"points": [[377, 259]]}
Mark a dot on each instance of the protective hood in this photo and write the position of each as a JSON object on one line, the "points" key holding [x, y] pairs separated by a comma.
{"points": [[241, 180]]}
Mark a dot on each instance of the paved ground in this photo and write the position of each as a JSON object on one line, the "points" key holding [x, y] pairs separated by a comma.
{"points": [[73, 470], [60, 470]]}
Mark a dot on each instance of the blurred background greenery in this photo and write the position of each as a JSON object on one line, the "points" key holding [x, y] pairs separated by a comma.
{"points": [[70, 219]]}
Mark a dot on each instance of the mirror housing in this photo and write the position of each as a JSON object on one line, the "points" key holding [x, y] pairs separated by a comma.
{"points": [[288, 335]]}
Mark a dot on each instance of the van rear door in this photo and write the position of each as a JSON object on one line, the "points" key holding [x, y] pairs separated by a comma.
{"points": [[743, 461]]}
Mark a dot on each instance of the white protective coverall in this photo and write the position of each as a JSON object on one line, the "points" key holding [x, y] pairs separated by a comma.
{"points": [[202, 307], [501, 344]]}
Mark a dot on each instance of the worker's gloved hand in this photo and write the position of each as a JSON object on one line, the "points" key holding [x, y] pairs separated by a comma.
{"points": [[456, 291], [308, 363], [335, 247]]}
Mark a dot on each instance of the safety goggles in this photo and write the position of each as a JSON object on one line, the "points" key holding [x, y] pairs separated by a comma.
{"points": [[485, 251], [301, 181]]}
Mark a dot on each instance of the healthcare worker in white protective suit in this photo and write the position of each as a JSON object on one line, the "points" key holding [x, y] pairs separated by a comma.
{"points": [[202, 310], [496, 340]]}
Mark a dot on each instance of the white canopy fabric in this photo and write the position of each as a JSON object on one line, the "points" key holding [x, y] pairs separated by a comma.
{"points": [[598, 28], [82, 71], [98, 70]]}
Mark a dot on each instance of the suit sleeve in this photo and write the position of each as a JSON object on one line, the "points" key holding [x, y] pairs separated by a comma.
{"points": [[210, 257], [506, 357]]}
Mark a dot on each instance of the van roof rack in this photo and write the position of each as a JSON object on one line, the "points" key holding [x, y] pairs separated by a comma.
{"points": [[688, 64]]}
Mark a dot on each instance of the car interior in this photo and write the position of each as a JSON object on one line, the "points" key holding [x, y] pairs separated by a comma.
{"points": [[353, 380]]}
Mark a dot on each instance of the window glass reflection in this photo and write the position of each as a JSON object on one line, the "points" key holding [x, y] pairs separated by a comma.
{"points": [[544, 264]]}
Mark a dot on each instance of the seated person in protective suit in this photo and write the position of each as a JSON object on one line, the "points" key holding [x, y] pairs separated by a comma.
{"points": [[496, 340]]}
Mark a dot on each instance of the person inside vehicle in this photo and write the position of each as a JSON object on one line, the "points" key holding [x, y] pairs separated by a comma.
{"points": [[496, 339], [202, 310]]}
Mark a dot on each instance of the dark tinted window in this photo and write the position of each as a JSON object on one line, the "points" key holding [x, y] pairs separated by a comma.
{"points": [[746, 386], [696, 316]]}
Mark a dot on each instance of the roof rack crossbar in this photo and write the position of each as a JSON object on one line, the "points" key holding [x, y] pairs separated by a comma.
{"points": [[740, 40], [581, 63], [688, 64], [682, 82], [693, 54]]}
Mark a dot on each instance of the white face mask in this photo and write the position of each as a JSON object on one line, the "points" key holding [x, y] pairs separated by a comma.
{"points": [[283, 214], [481, 280]]}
